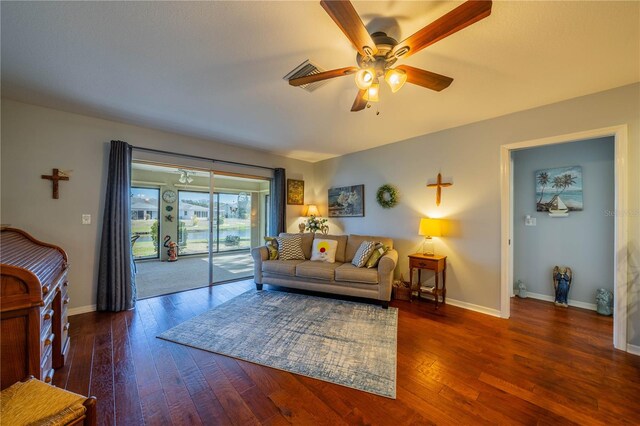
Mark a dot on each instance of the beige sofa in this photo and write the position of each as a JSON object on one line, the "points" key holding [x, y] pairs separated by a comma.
{"points": [[340, 277]]}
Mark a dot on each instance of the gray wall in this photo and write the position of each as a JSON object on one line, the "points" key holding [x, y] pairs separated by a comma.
{"points": [[37, 139], [470, 156], [585, 239]]}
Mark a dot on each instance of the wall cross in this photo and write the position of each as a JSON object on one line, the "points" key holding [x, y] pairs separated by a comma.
{"points": [[55, 178], [439, 185]]}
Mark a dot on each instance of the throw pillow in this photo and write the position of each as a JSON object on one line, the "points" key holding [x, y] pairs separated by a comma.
{"points": [[324, 250], [290, 247], [378, 251], [272, 246], [363, 253]]}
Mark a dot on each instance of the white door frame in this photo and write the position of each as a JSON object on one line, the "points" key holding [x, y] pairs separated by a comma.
{"points": [[619, 134]]}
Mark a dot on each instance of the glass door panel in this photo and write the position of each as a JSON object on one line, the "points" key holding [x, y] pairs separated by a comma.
{"points": [[238, 226], [193, 222], [145, 205]]}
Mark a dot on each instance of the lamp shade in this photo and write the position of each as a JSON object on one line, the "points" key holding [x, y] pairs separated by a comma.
{"points": [[372, 93], [430, 227], [364, 78], [396, 79], [312, 210]]}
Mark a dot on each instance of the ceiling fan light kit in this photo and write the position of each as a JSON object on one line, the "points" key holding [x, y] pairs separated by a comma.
{"points": [[373, 93], [378, 52], [364, 78]]}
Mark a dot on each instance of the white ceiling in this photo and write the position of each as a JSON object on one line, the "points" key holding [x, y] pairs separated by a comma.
{"points": [[214, 69]]}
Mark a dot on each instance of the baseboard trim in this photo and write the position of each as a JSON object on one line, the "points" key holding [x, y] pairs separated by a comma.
{"points": [[81, 310], [575, 303], [475, 308], [633, 349]]}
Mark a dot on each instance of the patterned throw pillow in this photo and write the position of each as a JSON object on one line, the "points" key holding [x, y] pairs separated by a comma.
{"points": [[363, 253], [272, 246], [290, 247], [379, 251], [324, 250]]}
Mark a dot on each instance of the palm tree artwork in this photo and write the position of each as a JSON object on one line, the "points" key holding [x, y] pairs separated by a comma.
{"points": [[566, 188]]}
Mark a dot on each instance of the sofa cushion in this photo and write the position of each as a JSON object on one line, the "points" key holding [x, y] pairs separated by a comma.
{"points": [[349, 272], [363, 253], [290, 247], [272, 247], [316, 269], [280, 267], [307, 240], [324, 250], [354, 241], [342, 245], [378, 252]]}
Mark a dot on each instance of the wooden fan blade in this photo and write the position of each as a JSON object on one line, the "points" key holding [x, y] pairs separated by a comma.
{"points": [[360, 103], [322, 76], [345, 16], [454, 21], [424, 78]]}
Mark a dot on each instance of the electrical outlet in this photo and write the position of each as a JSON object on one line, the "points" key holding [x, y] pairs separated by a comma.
{"points": [[86, 219], [529, 221]]}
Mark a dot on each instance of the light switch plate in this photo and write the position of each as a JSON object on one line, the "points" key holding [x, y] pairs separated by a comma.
{"points": [[530, 221], [86, 219]]}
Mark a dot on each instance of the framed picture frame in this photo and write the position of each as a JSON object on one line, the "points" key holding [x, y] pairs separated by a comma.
{"points": [[559, 189], [346, 201], [295, 192]]}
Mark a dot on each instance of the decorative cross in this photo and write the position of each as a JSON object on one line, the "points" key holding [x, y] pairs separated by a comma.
{"points": [[55, 177], [439, 185]]}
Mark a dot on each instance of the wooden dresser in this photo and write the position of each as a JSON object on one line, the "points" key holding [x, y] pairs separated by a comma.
{"points": [[33, 307]]}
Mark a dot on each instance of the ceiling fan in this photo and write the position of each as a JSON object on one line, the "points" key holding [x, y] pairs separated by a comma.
{"points": [[378, 53]]}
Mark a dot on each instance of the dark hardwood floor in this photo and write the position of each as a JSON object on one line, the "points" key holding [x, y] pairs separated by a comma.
{"points": [[546, 365]]}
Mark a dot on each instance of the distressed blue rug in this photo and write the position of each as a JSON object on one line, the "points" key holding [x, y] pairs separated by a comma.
{"points": [[351, 344]]}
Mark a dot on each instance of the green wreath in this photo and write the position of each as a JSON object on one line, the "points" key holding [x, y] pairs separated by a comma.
{"points": [[387, 196]]}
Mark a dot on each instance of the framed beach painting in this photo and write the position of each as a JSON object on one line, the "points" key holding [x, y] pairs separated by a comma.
{"points": [[295, 192], [346, 201], [559, 189]]}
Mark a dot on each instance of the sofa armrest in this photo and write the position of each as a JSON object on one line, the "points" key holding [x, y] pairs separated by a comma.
{"points": [[259, 255], [386, 266]]}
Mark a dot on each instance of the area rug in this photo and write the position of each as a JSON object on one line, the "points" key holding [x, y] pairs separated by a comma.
{"points": [[348, 343]]}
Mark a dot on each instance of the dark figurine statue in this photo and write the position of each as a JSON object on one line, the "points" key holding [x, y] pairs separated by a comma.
{"points": [[562, 283]]}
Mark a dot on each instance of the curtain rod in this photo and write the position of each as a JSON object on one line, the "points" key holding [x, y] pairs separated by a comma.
{"points": [[197, 157]]}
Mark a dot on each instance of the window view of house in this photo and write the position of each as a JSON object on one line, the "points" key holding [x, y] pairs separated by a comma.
{"points": [[145, 207], [231, 222]]}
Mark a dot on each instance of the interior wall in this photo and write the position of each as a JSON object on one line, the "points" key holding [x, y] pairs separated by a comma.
{"points": [[584, 240], [37, 139], [469, 156]]}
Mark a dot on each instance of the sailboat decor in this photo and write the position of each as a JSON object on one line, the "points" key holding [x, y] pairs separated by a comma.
{"points": [[557, 208], [559, 190]]}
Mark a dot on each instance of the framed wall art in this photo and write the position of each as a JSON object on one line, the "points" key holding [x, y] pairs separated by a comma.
{"points": [[346, 201], [559, 189], [295, 192]]}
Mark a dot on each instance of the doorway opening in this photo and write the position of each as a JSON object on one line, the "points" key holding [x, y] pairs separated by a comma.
{"points": [[619, 255], [211, 219]]}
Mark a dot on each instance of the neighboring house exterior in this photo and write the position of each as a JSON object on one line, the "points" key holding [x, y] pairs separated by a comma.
{"points": [[188, 211], [144, 208]]}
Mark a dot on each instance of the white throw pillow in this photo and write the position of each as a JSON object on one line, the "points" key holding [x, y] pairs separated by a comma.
{"points": [[290, 247], [363, 253], [324, 250]]}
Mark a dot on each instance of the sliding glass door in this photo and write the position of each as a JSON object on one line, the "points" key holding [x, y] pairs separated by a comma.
{"points": [[194, 228]]}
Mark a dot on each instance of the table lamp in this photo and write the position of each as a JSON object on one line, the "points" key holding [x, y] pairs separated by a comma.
{"points": [[311, 210], [429, 228]]}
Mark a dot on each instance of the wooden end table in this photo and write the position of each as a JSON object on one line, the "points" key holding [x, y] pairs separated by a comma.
{"points": [[437, 264]]}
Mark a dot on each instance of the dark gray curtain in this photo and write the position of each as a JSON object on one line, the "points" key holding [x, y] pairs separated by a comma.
{"points": [[278, 222], [116, 279]]}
